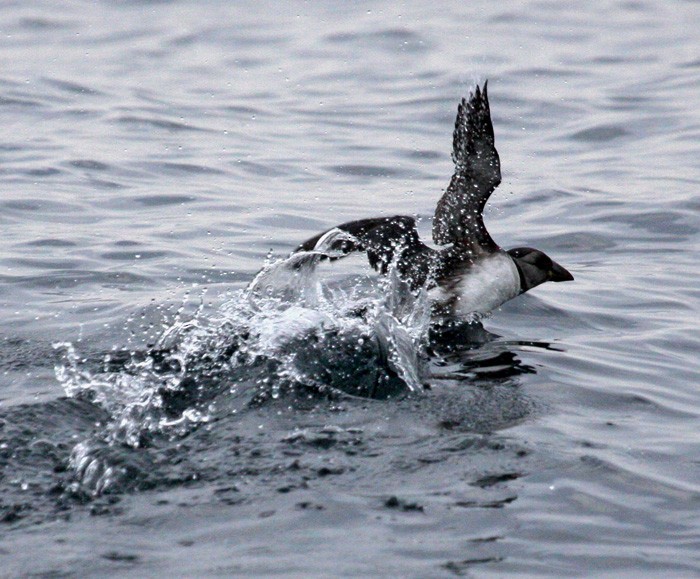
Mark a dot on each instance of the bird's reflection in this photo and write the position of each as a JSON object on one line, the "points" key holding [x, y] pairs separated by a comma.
{"points": [[464, 350]]}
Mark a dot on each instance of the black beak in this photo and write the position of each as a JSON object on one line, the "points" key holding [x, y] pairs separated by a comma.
{"points": [[558, 273]]}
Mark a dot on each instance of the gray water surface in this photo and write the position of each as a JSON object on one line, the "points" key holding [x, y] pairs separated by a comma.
{"points": [[153, 154]]}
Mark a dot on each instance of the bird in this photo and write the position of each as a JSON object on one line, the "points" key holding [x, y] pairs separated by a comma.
{"points": [[468, 273]]}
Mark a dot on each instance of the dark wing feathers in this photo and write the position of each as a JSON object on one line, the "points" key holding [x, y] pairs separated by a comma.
{"points": [[385, 240], [458, 216]]}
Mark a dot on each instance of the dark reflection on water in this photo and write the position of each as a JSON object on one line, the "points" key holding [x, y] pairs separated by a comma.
{"points": [[154, 153]]}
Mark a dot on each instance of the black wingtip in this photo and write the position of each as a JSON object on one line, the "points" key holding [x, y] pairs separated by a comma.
{"points": [[478, 98]]}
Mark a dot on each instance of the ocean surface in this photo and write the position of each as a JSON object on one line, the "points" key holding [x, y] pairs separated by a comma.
{"points": [[161, 417]]}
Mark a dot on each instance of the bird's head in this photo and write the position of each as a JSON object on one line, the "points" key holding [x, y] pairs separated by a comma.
{"points": [[536, 267]]}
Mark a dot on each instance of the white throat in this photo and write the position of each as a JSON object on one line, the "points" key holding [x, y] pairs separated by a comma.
{"points": [[490, 282]]}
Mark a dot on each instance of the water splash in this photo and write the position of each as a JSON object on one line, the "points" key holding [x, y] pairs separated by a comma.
{"points": [[363, 338]]}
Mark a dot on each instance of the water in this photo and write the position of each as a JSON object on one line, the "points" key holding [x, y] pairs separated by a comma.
{"points": [[154, 154]]}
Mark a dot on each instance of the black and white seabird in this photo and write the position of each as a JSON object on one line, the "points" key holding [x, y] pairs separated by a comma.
{"points": [[470, 274]]}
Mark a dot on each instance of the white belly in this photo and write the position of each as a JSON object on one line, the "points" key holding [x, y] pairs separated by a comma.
{"points": [[489, 283]]}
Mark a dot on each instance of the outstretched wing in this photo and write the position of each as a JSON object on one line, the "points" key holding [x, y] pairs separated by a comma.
{"points": [[458, 216], [385, 240]]}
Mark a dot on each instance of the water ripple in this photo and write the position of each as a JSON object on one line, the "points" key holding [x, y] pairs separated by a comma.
{"points": [[153, 150]]}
